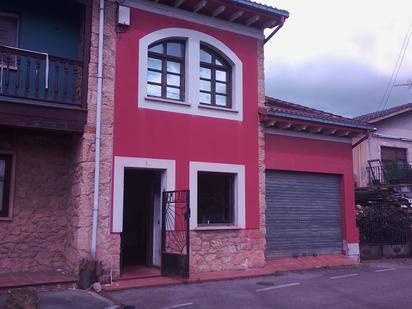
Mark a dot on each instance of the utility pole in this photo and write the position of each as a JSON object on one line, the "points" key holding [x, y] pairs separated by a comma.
{"points": [[407, 84]]}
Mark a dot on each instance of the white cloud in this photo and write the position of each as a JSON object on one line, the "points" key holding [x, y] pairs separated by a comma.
{"points": [[368, 33]]}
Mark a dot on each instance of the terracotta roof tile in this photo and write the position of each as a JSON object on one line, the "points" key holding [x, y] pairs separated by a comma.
{"points": [[383, 113], [281, 106]]}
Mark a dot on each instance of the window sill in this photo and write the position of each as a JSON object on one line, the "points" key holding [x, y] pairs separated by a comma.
{"points": [[223, 109], [9, 218], [217, 227], [161, 100]]}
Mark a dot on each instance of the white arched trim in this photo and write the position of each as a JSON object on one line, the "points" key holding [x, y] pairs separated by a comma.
{"points": [[190, 105]]}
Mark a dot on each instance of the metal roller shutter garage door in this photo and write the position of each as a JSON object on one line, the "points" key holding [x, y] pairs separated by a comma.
{"points": [[303, 214]]}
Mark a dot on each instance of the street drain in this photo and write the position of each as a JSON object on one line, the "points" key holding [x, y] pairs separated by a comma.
{"points": [[265, 283]]}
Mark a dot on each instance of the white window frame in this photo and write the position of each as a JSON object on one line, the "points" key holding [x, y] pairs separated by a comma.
{"points": [[239, 201], [120, 164], [190, 104]]}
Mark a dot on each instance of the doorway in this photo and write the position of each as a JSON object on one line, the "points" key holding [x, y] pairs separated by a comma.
{"points": [[141, 222]]}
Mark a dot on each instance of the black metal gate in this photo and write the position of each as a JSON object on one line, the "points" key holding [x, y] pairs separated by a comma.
{"points": [[175, 233]]}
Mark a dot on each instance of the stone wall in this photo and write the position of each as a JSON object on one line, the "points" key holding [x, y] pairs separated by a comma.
{"points": [[261, 143], [80, 212], [226, 250], [35, 238]]}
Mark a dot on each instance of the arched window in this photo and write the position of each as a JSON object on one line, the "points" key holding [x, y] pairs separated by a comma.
{"points": [[165, 69], [215, 79]]}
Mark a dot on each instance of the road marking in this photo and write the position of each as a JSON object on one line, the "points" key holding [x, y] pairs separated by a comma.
{"points": [[178, 306], [385, 269], [343, 276], [278, 287]]}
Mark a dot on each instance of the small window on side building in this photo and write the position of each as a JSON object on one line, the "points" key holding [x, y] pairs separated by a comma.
{"points": [[6, 161], [215, 198], [9, 25], [391, 155]]}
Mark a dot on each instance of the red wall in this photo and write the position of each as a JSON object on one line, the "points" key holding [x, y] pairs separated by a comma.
{"points": [[149, 133], [309, 155]]}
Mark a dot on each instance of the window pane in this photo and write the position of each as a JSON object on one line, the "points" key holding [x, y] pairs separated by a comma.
{"points": [[8, 30], [205, 85], [220, 87], [175, 49], [215, 198], [173, 93], [154, 90], [154, 77], [205, 73], [218, 62], [173, 80], [2, 169], [173, 67], [155, 64], [221, 75], [157, 48], [2, 174], [205, 98], [221, 100], [1, 194], [205, 56]]}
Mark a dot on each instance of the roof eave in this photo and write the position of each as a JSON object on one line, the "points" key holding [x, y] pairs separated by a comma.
{"points": [[320, 121], [260, 7], [381, 118]]}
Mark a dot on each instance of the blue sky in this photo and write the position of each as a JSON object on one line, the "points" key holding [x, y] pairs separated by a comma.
{"points": [[338, 56]]}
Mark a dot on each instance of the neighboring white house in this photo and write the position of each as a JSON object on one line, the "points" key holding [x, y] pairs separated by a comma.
{"points": [[391, 142]]}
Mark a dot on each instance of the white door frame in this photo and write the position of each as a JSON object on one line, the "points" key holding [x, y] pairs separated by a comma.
{"points": [[168, 178]]}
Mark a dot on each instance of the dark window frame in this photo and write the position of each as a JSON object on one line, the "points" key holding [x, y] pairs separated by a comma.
{"points": [[226, 67], [401, 154], [11, 58], [164, 58], [17, 17], [230, 196], [5, 211]]}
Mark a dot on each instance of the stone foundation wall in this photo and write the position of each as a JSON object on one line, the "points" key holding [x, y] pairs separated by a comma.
{"points": [[226, 250], [35, 238]]}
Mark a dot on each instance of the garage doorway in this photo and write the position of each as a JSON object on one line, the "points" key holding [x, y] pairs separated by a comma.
{"points": [[303, 214], [141, 221]]}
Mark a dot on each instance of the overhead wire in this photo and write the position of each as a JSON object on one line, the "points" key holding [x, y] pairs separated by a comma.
{"points": [[396, 69]]}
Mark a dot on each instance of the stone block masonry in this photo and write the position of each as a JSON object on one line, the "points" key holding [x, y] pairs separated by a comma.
{"points": [[80, 216], [35, 238], [219, 250]]}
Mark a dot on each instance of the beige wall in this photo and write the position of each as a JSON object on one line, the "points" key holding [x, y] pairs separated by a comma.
{"points": [[392, 129]]}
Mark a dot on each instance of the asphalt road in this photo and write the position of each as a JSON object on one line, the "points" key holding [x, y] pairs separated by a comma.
{"points": [[377, 284]]}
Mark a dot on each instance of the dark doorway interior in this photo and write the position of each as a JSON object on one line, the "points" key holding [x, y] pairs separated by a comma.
{"points": [[140, 189]]}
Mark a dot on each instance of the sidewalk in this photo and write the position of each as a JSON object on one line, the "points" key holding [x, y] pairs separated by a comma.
{"points": [[272, 266]]}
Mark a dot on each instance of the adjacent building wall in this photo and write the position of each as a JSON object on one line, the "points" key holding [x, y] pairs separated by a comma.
{"points": [[82, 191], [319, 156], [391, 132], [35, 237]]}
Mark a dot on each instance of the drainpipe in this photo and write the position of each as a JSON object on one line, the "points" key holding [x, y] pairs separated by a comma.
{"points": [[98, 127]]}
